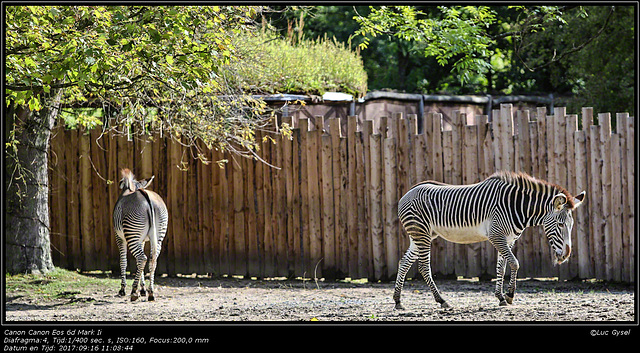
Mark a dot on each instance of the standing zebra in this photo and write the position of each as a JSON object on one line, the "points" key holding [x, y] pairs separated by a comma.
{"points": [[139, 215], [497, 209]]}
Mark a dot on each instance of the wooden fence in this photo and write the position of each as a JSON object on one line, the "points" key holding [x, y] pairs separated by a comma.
{"points": [[331, 209]]}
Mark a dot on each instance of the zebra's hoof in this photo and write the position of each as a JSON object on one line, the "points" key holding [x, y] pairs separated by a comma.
{"points": [[134, 297], [508, 299], [121, 292], [151, 297], [445, 305], [503, 303], [143, 293], [399, 306]]}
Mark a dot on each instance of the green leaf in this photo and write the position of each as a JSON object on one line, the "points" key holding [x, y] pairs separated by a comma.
{"points": [[169, 59]]}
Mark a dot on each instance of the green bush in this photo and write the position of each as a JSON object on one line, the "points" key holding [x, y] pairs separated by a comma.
{"points": [[271, 64]]}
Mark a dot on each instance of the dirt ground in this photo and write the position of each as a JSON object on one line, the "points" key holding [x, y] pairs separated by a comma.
{"points": [[231, 299]]}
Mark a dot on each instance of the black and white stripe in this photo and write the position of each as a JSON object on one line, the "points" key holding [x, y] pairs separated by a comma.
{"points": [[497, 209], [139, 215]]}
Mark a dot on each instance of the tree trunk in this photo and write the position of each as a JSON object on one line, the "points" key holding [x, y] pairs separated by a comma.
{"points": [[27, 192]]}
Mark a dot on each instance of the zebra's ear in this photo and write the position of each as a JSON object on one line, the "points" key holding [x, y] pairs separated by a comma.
{"points": [[579, 199], [559, 201], [146, 182]]}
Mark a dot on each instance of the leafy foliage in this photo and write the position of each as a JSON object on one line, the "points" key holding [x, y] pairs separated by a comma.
{"points": [[459, 36], [150, 68], [274, 64]]}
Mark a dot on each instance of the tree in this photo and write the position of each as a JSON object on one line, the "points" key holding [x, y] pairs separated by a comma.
{"points": [[151, 68]]}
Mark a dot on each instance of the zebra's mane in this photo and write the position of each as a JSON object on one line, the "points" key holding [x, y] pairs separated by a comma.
{"points": [[526, 180]]}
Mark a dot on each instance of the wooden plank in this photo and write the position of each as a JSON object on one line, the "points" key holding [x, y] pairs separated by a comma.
{"points": [[470, 176], [343, 234], [367, 130], [571, 128], [438, 171], [376, 207], [296, 189], [391, 222], [621, 128], [630, 231], [447, 250], [192, 227], [488, 252], [315, 210], [352, 206], [176, 187], [605, 145], [58, 200], [550, 146], [85, 203], [305, 242], [581, 216], [506, 137], [524, 246], [283, 260], [289, 180], [596, 202], [338, 217], [457, 143], [113, 174], [617, 260], [328, 207], [403, 151], [101, 214]]}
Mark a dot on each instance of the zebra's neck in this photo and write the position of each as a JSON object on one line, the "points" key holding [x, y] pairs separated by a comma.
{"points": [[531, 200]]}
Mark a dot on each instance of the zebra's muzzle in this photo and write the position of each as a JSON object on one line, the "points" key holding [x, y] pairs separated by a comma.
{"points": [[562, 256]]}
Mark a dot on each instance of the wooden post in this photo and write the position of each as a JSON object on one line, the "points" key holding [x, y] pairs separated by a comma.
{"points": [[571, 127], [615, 215], [391, 204], [605, 145], [328, 209], [315, 227], [438, 172], [470, 176], [581, 214], [630, 231], [352, 202], [101, 213], [376, 218], [296, 209], [621, 128], [304, 192], [596, 202]]}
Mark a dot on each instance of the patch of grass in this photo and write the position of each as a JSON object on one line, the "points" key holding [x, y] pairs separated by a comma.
{"points": [[284, 65], [55, 285]]}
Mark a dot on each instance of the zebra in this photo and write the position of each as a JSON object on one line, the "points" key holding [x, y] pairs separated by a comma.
{"points": [[497, 209], [139, 215]]}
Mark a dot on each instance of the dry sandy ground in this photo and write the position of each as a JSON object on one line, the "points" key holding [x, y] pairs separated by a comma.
{"points": [[231, 299]]}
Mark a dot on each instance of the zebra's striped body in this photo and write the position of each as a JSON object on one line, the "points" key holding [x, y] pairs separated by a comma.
{"points": [[497, 209], [139, 216]]}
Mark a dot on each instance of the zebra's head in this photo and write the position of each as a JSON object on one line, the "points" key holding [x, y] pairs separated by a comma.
{"points": [[558, 224], [129, 184]]}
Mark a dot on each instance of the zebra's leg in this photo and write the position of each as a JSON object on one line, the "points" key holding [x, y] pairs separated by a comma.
{"points": [[152, 269], [405, 264], [499, 280], [511, 290], [122, 249], [506, 255], [143, 292], [141, 261], [424, 266]]}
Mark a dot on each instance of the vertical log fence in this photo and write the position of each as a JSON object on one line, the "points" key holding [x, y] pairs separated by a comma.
{"points": [[331, 209]]}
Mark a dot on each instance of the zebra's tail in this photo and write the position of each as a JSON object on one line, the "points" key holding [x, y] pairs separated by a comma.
{"points": [[153, 238]]}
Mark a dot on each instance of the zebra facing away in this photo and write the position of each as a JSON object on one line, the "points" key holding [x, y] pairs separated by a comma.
{"points": [[139, 215], [497, 209]]}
